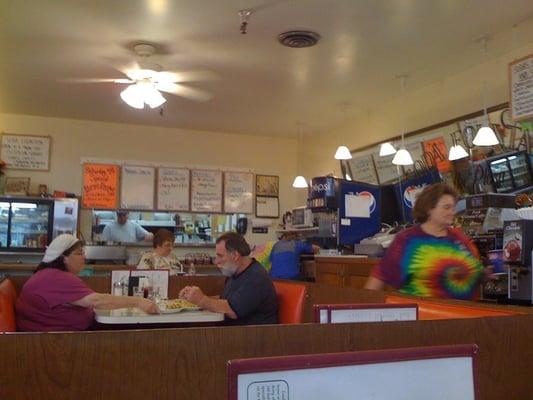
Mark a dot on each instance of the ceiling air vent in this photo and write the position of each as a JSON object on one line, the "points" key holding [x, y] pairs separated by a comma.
{"points": [[298, 39]]}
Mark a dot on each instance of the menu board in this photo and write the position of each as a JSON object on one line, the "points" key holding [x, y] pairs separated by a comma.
{"points": [[100, 186], [137, 189], [436, 153], [173, 189], [26, 152], [238, 192], [521, 88], [363, 170], [206, 190], [386, 170]]}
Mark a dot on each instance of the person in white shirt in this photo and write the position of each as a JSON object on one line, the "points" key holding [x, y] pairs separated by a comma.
{"points": [[125, 231], [161, 257]]}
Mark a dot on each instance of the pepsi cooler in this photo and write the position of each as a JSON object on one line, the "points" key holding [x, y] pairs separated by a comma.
{"points": [[517, 247], [407, 190]]}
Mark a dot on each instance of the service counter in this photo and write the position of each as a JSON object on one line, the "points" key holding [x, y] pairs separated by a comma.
{"points": [[191, 362], [343, 271]]}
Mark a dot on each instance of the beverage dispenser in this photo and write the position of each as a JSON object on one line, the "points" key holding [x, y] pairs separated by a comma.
{"points": [[517, 247]]}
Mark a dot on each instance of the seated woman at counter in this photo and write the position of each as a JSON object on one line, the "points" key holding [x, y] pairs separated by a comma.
{"points": [[161, 257], [431, 259], [56, 299]]}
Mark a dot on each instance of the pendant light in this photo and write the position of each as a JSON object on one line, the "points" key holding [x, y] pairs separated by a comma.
{"points": [[402, 156], [343, 153], [386, 149], [456, 151], [485, 136], [299, 182]]}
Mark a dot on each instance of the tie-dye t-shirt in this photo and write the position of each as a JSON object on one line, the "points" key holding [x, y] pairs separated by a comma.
{"points": [[420, 264]]}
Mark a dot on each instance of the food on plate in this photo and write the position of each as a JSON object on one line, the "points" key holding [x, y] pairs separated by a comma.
{"points": [[179, 303]]}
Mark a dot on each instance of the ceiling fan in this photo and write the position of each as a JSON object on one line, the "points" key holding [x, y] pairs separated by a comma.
{"points": [[146, 80]]}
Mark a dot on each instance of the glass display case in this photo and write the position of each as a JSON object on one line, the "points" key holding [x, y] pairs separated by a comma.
{"points": [[510, 172], [30, 224]]}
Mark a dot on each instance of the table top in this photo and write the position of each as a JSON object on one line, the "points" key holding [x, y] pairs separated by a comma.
{"points": [[136, 316]]}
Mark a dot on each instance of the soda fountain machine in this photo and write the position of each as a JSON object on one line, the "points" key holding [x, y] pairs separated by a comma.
{"points": [[517, 247]]}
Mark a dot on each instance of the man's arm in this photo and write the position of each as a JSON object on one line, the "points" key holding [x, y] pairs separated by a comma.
{"points": [[195, 295]]}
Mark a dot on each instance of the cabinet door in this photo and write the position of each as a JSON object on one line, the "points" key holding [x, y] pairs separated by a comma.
{"points": [[356, 275], [329, 274]]}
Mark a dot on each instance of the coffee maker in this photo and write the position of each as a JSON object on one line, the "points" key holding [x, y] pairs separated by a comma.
{"points": [[517, 248]]}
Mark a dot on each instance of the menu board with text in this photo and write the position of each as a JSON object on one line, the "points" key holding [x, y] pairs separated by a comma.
{"points": [[363, 169], [173, 189], [26, 152], [100, 186], [238, 192], [206, 190], [386, 170], [521, 88], [137, 189]]}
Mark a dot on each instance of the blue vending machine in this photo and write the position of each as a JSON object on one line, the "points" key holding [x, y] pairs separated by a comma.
{"points": [[359, 211], [406, 191]]}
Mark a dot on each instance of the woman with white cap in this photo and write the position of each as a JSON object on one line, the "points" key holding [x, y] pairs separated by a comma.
{"points": [[56, 299]]}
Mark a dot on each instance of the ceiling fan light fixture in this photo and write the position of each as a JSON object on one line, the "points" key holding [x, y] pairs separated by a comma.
{"points": [[132, 96], [153, 97]]}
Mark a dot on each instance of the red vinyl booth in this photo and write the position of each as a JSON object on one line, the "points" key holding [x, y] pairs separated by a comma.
{"points": [[8, 296], [291, 299]]}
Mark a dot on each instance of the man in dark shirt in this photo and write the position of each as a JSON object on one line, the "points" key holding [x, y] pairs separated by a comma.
{"points": [[249, 297]]}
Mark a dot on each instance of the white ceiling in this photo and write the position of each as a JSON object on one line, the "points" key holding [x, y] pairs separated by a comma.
{"points": [[262, 87]]}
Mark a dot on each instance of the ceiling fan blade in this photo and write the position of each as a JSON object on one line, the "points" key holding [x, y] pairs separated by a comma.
{"points": [[186, 76], [94, 80], [184, 91]]}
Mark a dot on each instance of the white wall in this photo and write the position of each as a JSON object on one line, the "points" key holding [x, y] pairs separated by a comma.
{"points": [[73, 140]]}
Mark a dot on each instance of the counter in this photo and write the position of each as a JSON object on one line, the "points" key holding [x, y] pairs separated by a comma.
{"points": [[343, 271]]}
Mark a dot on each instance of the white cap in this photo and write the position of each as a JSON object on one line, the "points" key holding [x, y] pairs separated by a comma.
{"points": [[58, 246]]}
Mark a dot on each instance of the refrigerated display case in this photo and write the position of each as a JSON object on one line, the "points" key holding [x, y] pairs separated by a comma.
{"points": [[30, 224], [510, 172]]}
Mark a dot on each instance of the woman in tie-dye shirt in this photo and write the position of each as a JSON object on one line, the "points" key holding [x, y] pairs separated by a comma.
{"points": [[431, 259]]}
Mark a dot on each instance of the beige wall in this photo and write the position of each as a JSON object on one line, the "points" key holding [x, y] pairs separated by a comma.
{"points": [[452, 96], [73, 140]]}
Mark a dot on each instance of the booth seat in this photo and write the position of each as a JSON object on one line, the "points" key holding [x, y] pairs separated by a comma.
{"points": [[429, 310], [8, 296], [291, 301]]}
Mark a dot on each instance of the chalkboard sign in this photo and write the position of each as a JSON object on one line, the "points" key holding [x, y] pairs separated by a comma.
{"points": [[100, 186], [363, 169], [173, 189], [26, 152], [206, 190], [137, 188], [521, 88], [418, 373], [238, 192]]}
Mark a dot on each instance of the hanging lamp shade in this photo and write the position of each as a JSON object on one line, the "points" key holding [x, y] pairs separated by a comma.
{"points": [[402, 157], [386, 149], [457, 152], [299, 182], [343, 153], [485, 137]]}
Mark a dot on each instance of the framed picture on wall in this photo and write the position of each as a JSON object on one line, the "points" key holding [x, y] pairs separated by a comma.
{"points": [[267, 185], [17, 186]]}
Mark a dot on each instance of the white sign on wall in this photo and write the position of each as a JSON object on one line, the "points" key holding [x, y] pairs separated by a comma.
{"points": [[521, 88], [206, 190], [173, 189], [238, 192], [26, 152], [137, 187]]}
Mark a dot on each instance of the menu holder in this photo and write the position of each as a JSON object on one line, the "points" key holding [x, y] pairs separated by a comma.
{"points": [[369, 312], [447, 372], [126, 280]]}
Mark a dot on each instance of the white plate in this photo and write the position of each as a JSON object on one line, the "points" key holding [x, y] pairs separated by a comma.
{"points": [[177, 310]]}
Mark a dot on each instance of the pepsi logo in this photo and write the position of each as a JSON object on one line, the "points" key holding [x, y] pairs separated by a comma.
{"points": [[372, 202], [410, 193]]}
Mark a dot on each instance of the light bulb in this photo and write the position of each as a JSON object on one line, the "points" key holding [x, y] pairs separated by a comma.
{"points": [[132, 96], [457, 152], [485, 137], [402, 157], [299, 182], [343, 153], [386, 149]]}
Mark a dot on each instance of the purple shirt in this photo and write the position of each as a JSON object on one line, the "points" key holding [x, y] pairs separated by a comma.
{"points": [[43, 304]]}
